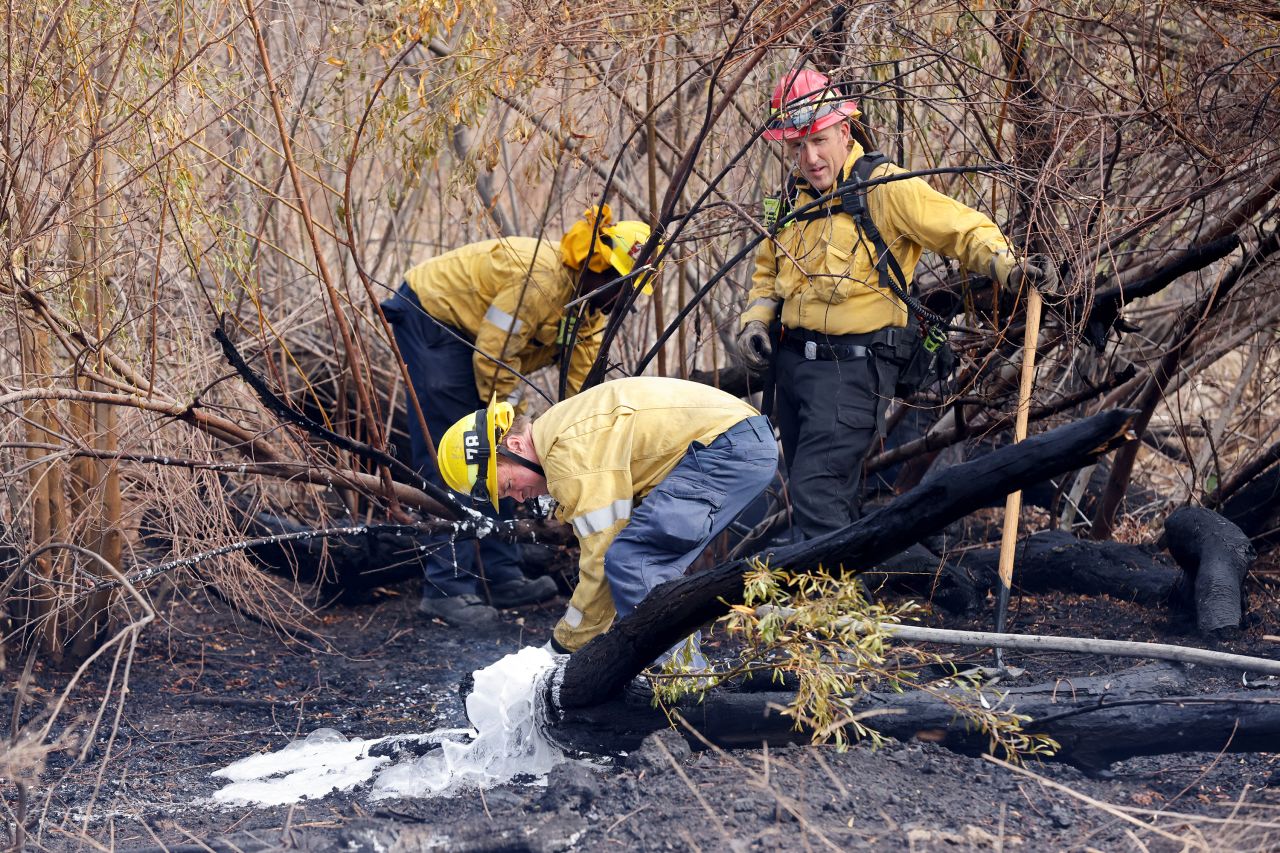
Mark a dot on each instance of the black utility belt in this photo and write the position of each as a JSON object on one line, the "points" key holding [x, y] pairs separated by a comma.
{"points": [[815, 346], [814, 351]]}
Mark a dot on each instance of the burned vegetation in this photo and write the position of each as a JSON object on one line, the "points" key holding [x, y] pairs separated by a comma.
{"points": [[1054, 624]]}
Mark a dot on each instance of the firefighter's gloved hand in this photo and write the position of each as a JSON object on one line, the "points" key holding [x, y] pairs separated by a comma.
{"points": [[754, 346], [1038, 271]]}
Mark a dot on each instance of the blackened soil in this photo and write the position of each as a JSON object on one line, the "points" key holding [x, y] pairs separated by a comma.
{"points": [[207, 688]]}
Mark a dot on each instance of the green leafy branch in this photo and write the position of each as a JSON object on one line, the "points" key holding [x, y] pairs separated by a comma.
{"points": [[819, 632]]}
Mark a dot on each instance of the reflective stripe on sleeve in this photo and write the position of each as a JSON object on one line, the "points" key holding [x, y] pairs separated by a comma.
{"points": [[591, 523], [497, 317], [771, 304], [573, 617]]}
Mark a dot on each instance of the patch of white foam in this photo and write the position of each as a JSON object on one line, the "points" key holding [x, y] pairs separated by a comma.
{"points": [[322, 762], [507, 741]]}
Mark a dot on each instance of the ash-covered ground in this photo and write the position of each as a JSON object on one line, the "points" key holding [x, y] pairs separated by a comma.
{"points": [[208, 688]]}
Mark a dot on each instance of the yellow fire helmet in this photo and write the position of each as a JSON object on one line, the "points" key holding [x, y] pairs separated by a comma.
{"points": [[469, 447], [626, 239]]}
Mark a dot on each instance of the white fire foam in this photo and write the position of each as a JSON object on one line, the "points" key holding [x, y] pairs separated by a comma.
{"points": [[321, 762], [507, 741]]}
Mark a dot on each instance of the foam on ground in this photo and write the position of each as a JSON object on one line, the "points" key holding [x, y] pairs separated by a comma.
{"points": [[507, 741], [322, 762]]}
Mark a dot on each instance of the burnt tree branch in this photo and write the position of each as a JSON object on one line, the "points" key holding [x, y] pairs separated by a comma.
{"points": [[1096, 721], [1107, 304], [450, 507], [675, 609]]}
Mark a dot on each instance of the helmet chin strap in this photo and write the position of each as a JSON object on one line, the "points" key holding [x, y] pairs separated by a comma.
{"points": [[520, 460]]}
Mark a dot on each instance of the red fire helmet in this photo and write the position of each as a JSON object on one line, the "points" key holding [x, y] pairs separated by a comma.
{"points": [[805, 102]]}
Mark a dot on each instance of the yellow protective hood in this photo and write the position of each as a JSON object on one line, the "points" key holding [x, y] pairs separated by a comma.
{"points": [[576, 247]]}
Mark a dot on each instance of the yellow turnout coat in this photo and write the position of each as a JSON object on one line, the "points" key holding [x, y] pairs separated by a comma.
{"points": [[509, 296], [603, 451], [823, 271]]}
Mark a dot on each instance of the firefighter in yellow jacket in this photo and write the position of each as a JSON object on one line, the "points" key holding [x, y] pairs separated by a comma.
{"points": [[819, 277], [646, 470], [461, 320]]}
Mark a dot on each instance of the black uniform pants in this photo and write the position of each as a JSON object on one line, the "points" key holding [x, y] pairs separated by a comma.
{"points": [[828, 414], [444, 380]]}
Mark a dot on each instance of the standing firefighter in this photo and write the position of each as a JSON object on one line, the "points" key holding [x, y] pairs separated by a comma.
{"points": [[843, 321], [696, 455], [455, 318]]}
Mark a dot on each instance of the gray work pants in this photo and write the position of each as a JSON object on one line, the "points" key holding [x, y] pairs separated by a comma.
{"points": [[678, 519]]}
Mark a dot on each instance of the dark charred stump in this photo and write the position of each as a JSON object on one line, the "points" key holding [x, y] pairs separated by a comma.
{"points": [[1217, 555], [675, 609]]}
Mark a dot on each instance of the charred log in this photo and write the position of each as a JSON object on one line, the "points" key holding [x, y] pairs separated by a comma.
{"points": [[1056, 560], [1212, 557], [1096, 732], [1097, 721], [675, 609], [1217, 555]]}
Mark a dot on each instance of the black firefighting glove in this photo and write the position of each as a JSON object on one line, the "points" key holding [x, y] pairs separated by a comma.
{"points": [[754, 346], [1038, 271]]}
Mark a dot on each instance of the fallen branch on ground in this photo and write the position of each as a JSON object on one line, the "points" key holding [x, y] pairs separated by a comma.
{"points": [[1096, 721], [1038, 643]]}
